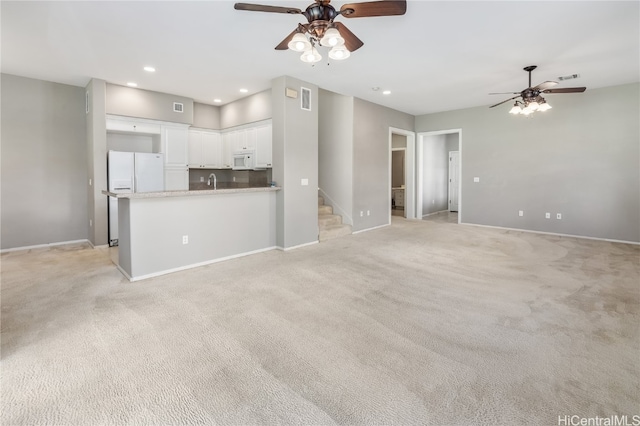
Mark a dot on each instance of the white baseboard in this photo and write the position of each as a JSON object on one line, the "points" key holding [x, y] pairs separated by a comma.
{"points": [[39, 246], [297, 247], [193, 265], [552, 233], [371, 229], [431, 214]]}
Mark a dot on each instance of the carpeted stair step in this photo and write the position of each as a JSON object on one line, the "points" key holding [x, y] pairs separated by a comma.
{"points": [[320, 201], [334, 231], [325, 220], [325, 210]]}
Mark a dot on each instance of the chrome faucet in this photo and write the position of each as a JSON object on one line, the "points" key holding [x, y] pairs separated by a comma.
{"points": [[215, 181]]}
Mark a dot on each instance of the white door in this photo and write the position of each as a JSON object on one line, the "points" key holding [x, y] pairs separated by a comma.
{"points": [[454, 172]]}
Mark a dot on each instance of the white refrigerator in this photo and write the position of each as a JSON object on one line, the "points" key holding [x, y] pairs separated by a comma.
{"points": [[131, 172]]}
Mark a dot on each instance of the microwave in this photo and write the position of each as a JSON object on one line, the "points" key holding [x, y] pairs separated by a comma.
{"points": [[244, 160]]}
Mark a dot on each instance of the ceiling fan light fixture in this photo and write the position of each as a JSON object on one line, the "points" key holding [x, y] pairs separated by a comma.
{"points": [[516, 109], [299, 43], [311, 56], [544, 106], [339, 53], [332, 38], [533, 105]]}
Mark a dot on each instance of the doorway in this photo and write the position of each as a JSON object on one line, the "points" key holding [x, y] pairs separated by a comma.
{"points": [[439, 171], [404, 141]]}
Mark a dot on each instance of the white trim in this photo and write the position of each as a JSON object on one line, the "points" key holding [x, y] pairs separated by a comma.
{"points": [[553, 233], [38, 246], [193, 265], [420, 173], [410, 176], [297, 247], [434, 213], [371, 229]]}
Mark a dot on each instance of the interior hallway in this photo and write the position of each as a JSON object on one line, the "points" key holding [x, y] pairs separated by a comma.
{"points": [[420, 322]]}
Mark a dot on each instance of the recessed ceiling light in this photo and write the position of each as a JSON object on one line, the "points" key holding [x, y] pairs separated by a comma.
{"points": [[386, 92], [150, 69], [132, 84], [217, 100], [243, 90]]}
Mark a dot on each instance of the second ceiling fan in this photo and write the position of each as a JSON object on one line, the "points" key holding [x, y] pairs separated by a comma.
{"points": [[321, 30]]}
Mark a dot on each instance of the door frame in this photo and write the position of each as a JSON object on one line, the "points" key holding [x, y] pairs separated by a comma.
{"points": [[422, 136], [409, 172], [457, 180]]}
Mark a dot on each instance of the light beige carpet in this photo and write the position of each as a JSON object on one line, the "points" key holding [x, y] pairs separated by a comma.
{"points": [[417, 323]]}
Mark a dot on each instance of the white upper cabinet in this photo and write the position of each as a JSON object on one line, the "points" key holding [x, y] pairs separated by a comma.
{"points": [[205, 149], [263, 146], [175, 145], [132, 125]]}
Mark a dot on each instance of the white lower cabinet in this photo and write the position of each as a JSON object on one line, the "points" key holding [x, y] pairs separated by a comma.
{"points": [[176, 178]]}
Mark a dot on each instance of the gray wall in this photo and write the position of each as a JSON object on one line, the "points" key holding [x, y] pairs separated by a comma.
{"points": [[44, 169], [253, 108], [140, 103], [295, 157], [371, 161], [335, 152], [581, 159], [206, 116]]}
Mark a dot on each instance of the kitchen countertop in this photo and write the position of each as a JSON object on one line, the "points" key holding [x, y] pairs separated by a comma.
{"points": [[164, 194]]}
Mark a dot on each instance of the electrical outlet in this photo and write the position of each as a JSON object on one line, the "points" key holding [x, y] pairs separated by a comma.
{"points": [[90, 181], [368, 213], [234, 178], [520, 212], [201, 178], [185, 239], [90, 222], [361, 213], [559, 216], [547, 215]]}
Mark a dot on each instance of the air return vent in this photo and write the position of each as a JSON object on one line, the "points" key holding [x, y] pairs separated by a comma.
{"points": [[178, 107], [305, 99], [569, 77]]}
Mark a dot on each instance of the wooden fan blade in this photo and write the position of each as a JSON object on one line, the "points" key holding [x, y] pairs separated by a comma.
{"points": [[566, 90], [374, 8], [544, 86], [351, 42], [284, 44], [510, 99], [263, 8]]}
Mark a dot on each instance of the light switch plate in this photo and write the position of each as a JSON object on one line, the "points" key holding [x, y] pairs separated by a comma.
{"points": [[476, 179], [304, 182]]}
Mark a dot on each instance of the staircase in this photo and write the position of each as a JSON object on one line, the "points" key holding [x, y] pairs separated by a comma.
{"points": [[329, 224]]}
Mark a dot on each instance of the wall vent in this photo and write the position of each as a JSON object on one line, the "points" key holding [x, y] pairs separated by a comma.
{"points": [[569, 77], [178, 107], [305, 99]]}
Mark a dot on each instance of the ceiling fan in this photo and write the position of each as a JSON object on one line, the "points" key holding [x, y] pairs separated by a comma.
{"points": [[531, 96], [321, 28]]}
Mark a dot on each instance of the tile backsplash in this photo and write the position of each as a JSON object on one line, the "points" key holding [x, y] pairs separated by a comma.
{"points": [[229, 178]]}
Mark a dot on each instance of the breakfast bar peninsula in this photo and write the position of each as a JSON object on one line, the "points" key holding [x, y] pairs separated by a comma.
{"points": [[163, 232]]}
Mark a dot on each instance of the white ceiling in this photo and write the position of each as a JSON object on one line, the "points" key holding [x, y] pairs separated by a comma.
{"points": [[441, 55]]}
